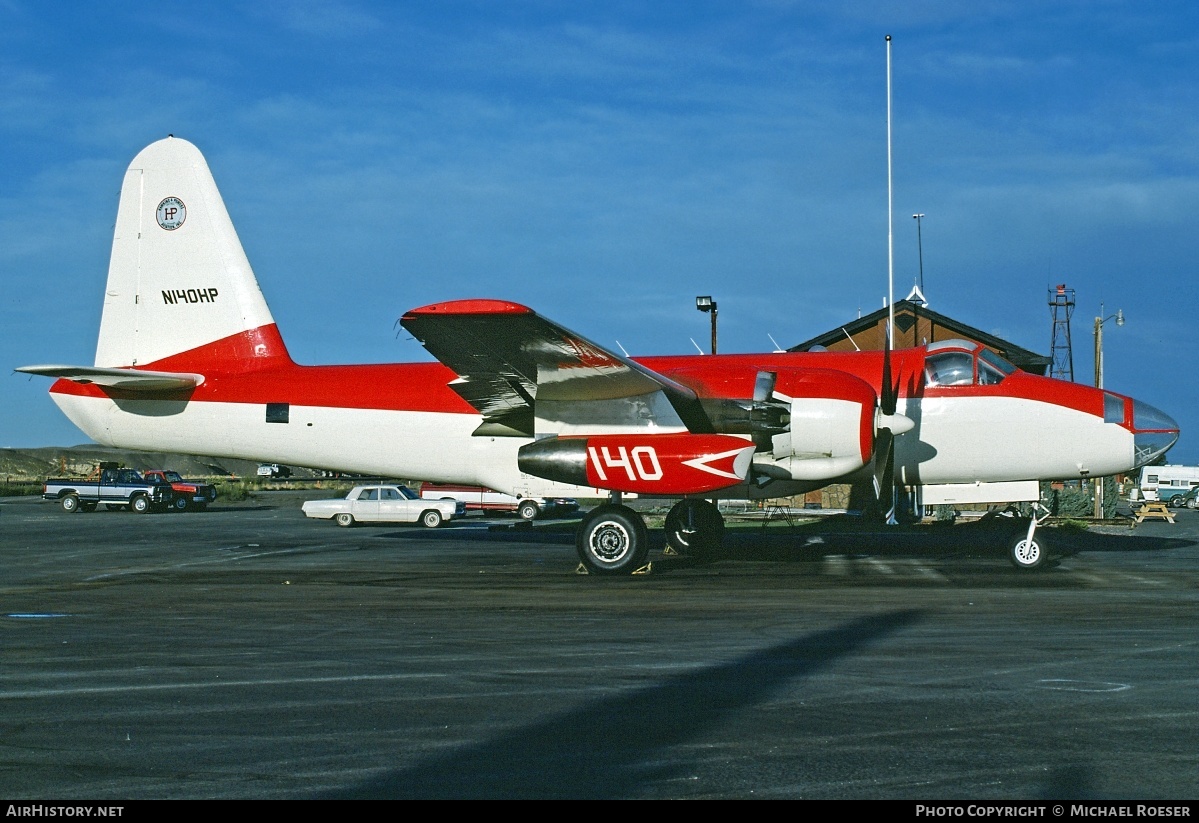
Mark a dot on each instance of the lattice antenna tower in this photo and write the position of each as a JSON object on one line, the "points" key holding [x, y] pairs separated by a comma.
{"points": [[1061, 307]]}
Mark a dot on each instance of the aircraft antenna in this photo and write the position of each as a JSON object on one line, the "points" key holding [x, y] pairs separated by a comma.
{"points": [[890, 210]]}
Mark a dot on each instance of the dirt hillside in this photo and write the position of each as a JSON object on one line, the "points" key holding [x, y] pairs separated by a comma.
{"points": [[55, 461]]}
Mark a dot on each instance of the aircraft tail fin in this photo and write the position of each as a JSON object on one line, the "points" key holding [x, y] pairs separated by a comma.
{"points": [[181, 295]]}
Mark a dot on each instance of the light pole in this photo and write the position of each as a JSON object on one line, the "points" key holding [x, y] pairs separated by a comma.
{"points": [[920, 248], [707, 304], [1099, 321]]}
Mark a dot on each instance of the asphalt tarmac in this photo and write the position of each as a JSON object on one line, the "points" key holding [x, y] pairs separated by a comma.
{"points": [[247, 652]]}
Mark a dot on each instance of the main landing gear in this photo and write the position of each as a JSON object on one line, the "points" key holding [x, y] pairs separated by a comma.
{"points": [[695, 528], [613, 539]]}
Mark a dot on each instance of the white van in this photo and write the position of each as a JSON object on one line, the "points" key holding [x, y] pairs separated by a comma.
{"points": [[1166, 482]]}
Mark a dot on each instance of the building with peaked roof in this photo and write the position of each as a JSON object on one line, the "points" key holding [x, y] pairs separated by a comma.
{"points": [[915, 325]]}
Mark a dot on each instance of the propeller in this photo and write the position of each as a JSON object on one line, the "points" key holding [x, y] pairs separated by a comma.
{"points": [[884, 472], [888, 424]]}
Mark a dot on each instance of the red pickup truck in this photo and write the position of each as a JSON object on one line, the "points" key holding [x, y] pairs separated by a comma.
{"points": [[189, 494]]}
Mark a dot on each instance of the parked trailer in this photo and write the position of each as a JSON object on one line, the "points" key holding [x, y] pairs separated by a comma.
{"points": [[1164, 483]]}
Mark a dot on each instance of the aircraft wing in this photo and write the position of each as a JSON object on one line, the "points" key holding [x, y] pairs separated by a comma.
{"points": [[131, 380], [508, 357]]}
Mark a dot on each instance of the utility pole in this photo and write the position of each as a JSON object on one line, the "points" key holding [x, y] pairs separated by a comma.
{"points": [[1099, 321]]}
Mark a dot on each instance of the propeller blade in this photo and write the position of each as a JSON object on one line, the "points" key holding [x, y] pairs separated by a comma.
{"points": [[884, 476], [890, 391], [884, 463], [888, 425]]}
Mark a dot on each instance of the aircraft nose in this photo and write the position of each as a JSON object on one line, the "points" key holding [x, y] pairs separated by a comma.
{"points": [[1153, 431]]}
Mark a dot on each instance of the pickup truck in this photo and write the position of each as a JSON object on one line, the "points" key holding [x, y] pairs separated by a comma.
{"points": [[188, 493], [113, 486]]}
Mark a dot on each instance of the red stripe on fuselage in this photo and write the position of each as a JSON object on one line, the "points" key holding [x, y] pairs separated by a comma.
{"points": [[419, 387], [254, 367], [907, 366]]}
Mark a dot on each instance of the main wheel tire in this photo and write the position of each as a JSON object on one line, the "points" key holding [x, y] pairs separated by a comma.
{"points": [[528, 510], [1192, 503], [140, 504], [431, 519], [695, 528], [613, 540], [1026, 554], [345, 520], [180, 504], [70, 503]]}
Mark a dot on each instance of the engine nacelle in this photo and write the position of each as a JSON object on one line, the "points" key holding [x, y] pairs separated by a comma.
{"points": [[832, 429], [654, 464]]}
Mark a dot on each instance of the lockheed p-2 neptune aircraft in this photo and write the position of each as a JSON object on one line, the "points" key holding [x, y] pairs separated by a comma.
{"points": [[189, 359]]}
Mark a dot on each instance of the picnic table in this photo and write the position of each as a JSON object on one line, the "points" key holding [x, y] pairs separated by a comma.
{"points": [[1153, 509]]}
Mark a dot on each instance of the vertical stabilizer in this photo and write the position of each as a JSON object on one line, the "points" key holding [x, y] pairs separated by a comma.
{"points": [[179, 284]]}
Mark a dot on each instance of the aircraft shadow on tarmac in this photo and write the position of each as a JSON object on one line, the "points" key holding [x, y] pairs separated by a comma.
{"points": [[813, 541], [609, 749]]}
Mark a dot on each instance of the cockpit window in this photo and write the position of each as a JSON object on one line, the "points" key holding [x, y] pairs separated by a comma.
{"points": [[954, 368], [988, 376], [1113, 408], [992, 359]]}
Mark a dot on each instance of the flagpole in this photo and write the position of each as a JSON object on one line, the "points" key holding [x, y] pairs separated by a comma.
{"points": [[890, 217]]}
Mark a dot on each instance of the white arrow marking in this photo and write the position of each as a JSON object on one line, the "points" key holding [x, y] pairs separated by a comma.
{"points": [[704, 463]]}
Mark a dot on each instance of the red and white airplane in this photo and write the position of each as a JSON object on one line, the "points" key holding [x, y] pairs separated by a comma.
{"points": [[189, 359]]}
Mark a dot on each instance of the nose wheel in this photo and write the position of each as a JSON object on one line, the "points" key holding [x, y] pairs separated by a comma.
{"points": [[1026, 549]]}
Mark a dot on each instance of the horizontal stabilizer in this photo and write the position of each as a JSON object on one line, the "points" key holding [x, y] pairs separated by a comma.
{"points": [[135, 380]]}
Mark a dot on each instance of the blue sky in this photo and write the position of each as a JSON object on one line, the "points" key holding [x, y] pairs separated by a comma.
{"points": [[604, 163]]}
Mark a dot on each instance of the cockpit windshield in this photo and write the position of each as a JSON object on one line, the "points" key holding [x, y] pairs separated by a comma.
{"points": [[958, 368], [951, 368]]}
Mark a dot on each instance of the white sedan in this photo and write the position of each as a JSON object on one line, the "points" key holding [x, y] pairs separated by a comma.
{"points": [[384, 504]]}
